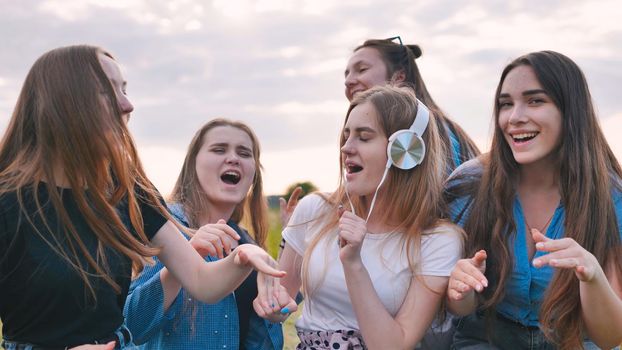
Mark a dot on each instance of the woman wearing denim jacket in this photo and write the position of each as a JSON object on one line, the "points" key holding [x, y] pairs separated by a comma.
{"points": [[543, 216], [220, 178]]}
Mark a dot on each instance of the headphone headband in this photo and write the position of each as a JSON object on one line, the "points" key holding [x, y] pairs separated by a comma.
{"points": [[421, 119]]}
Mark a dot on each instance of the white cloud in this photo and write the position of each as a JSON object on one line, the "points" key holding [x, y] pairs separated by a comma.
{"points": [[278, 64]]}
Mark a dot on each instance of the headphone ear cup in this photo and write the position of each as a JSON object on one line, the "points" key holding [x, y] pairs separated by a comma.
{"points": [[405, 149]]}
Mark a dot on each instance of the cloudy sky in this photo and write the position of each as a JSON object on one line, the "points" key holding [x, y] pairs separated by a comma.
{"points": [[278, 64]]}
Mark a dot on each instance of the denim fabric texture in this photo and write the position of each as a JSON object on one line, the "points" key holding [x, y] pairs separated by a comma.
{"points": [[215, 326], [472, 334]]}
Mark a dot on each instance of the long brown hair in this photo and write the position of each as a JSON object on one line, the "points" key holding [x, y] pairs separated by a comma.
{"points": [[188, 192], [588, 172], [412, 199], [62, 121], [399, 57]]}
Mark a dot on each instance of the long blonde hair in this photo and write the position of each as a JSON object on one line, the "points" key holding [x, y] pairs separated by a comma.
{"points": [[61, 121], [412, 198]]}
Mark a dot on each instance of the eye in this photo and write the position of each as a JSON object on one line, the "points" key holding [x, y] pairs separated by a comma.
{"points": [[504, 104], [245, 154], [536, 101], [364, 137], [218, 150]]}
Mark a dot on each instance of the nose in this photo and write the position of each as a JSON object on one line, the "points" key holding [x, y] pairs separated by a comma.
{"points": [[347, 148], [125, 105], [232, 158], [517, 115], [350, 82], [350, 79]]}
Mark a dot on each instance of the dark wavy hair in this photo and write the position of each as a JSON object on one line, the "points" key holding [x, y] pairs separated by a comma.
{"points": [[588, 172], [399, 57]]}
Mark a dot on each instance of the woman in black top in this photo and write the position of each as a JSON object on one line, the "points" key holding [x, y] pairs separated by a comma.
{"points": [[78, 215]]}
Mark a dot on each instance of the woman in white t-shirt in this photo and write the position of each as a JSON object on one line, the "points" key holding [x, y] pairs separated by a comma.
{"points": [[372, 278]]}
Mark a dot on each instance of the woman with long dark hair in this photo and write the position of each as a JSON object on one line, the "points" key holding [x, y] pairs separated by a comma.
{"points": [[543, 213]]}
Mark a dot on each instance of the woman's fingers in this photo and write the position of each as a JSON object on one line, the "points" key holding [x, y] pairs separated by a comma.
{"points": [[205, 247], [256, 257], [287, 207]]}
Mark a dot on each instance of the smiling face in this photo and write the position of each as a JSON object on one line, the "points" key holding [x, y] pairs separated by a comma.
{"points": [[119, 85], [225, 165], [364, 70], [364, 150], [529, 119]]}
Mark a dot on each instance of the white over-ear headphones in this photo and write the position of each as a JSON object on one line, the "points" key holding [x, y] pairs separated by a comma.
{"points": [[406, 148]]}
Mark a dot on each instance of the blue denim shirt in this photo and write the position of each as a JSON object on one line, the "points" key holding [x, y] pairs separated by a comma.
{"points": [[215, 326], [456, 152], [526, 284]]}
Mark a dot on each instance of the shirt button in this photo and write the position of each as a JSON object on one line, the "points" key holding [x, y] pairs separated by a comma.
{"points": [[167, 334], [226, 316], [215, 332], [224, 346], [189, 299]]}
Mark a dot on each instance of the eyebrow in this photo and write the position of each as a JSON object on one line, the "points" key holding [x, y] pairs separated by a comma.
{"points": [[226, 144], [357, 63], [245, 148], [361, 129], [525, 93]]}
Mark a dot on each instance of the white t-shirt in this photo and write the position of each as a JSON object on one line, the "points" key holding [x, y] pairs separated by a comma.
{"points": [[384, 257]]}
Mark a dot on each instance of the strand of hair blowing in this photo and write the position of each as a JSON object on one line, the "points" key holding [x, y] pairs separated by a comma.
{"points": [[586, 186]]}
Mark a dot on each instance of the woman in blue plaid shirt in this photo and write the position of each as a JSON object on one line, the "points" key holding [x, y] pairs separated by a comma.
{"points": [[219, 182]]}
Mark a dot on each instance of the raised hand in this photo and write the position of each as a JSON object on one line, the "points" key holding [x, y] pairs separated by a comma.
{"points": [[566, 253], [217, 239], [287, 208], [468, 275], [259, 259], [272, 302], [352, 231]]}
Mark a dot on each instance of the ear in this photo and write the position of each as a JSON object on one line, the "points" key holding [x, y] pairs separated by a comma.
{"points": [[398, 77]]}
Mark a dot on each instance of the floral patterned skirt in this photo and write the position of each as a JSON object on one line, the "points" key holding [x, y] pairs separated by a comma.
{"points": [[331, 340]]}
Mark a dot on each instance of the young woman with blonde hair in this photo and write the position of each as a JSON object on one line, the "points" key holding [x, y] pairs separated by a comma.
{"points": [[382, 285]]}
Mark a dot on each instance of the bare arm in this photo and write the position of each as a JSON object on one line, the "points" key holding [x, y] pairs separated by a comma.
{"points": [[601, 306], [197, 276], [381, 330], [212, 239], [276, 297], [291, 263]]}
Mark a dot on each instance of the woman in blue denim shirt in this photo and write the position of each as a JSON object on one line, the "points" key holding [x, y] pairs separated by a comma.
{"points": [[543, 213], [220, 181]]}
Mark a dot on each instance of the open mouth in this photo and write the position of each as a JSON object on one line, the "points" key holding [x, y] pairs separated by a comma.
{"points": [[231, 177], [524, 137], [352, 168]]}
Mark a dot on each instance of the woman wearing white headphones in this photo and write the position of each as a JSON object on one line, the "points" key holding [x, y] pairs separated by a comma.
{"points": [[376, 282]]}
